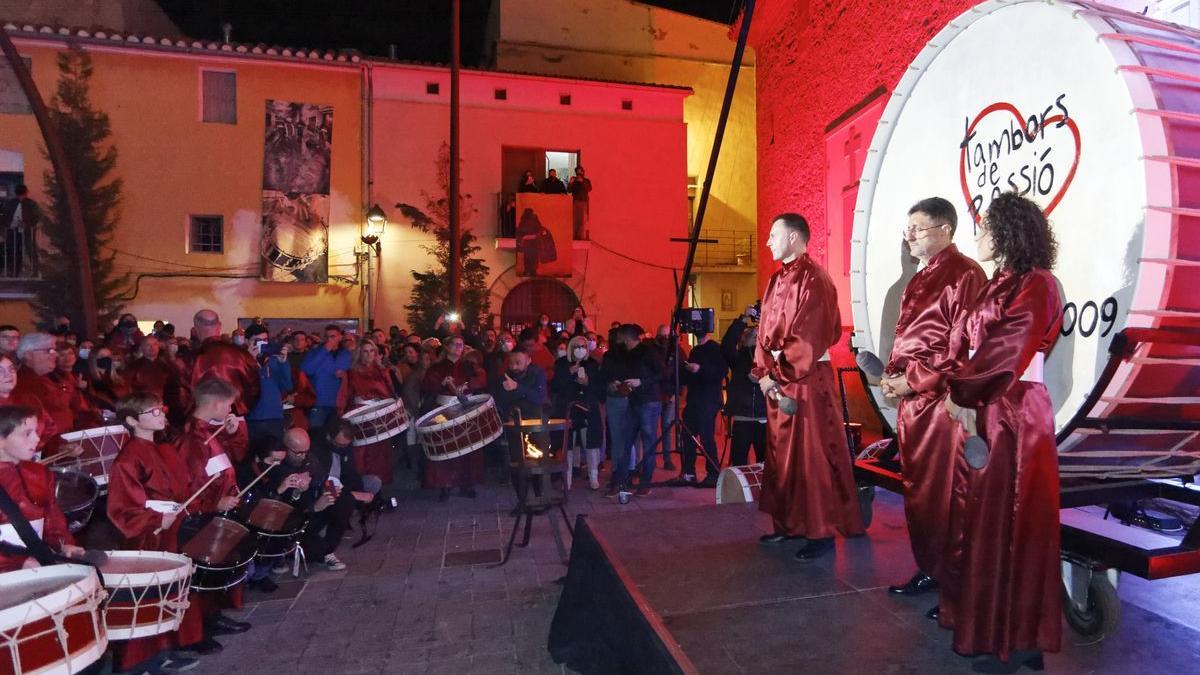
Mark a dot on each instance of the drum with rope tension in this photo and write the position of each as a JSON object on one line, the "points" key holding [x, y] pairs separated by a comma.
{"points": [[456, 429], [51, 620]]}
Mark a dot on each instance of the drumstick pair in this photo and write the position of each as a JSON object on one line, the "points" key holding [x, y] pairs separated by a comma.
{"points": [[57, 456], [204, 487]]}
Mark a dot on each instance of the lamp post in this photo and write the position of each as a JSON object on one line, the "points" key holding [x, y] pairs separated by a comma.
{"points": [[376, 221]]}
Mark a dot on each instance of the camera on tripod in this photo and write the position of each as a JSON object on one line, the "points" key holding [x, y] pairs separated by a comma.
{"points": [[696, 321]]}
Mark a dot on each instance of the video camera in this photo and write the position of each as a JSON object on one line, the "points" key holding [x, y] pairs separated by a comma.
{"points": [[696, 321]]}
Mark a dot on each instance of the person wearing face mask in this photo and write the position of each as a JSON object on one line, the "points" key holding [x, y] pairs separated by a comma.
{"points": [[86, 415], [150, 371], [106, 385], [124, 336], [449, 377], [631, 377], [493, 359], [531, 342], [522, 387], [578, 392]]}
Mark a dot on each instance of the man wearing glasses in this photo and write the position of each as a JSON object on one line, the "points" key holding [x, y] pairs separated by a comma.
{"points": [[39, 356], [936, 297]]}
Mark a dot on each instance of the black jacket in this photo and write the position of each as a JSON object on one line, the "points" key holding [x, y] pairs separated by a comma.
{"points": [[323, 451], [640, 363], [704, 385], [743, 397]]}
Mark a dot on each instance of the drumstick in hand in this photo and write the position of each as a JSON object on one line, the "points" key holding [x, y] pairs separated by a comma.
{"points": [[270, 466], [55, 457], [191, 499]]}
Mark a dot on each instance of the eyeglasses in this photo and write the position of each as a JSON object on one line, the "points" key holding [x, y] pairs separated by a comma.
{"points": [[156, 411], [909, 230]]}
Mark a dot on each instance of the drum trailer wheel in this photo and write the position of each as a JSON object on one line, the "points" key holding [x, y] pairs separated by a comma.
{"points": [[866, 503], [1090, 601]]}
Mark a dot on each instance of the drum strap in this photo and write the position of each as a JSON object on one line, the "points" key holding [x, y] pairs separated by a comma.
{"points": [[34, 545]]}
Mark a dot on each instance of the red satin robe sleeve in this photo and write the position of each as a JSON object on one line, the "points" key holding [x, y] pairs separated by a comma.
{"points": [[145, 470], [463, 371], [51, 400], [1006, 341], [196, 450], [368, 384], [31, 486], [800, 319], [934, 302]]}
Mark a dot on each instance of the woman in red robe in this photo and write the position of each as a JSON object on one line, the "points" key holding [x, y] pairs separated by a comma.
{"points": [[146, 470], [1003, 596], [445, 379], [368, 380], [30, 486]]}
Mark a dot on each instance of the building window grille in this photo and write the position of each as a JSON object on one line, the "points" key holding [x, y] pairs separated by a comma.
{"points": [[206, 234], [218, 97]]}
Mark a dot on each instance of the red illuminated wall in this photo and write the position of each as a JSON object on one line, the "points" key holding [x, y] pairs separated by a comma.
{"points": [[817, 60], [819, 64]]}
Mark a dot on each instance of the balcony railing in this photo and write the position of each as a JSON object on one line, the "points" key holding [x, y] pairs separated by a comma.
{"points": [[734, 248], [19, 254]]}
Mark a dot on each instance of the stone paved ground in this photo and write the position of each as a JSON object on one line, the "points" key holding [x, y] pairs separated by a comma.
{"points": [[398, 608]]}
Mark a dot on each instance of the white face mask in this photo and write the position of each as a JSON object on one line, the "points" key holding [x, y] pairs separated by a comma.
{"points": [[239, 340], [84, 353], [581, 353], [591, 345], [506, 346], [561, 352]]}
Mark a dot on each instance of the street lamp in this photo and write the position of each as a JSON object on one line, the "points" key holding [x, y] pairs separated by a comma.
{"points": [[376, 221]]}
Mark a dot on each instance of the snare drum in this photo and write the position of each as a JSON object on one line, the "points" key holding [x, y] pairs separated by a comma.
{"points": [[277, 525], [147, 592], [75, 494], [739, 484], [100, 448], [454, 430], [376, 421], [50, 620], [221, 549]]}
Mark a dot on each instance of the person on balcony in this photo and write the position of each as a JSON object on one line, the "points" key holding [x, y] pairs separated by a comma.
{"points": [[19, 220], [528, 183], [580, 186], [552, 185]]}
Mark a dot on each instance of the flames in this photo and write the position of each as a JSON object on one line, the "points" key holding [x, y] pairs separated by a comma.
{"points": [[531, 451]]}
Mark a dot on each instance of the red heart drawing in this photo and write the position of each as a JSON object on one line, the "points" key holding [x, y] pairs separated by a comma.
{"points": [[1012, 109]]}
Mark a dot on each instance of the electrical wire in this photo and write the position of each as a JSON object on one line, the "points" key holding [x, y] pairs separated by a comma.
{"points": [[632, 259]]}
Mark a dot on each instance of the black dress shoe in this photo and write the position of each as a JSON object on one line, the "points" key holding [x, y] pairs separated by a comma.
{"points": [[776, 538], [933, 612], [1019, 659], [223, 625], [920, 583], [815, 548], [203, 647]]}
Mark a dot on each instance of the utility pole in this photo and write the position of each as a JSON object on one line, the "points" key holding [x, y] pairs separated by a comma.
{"points": [[455, 150], [65, 174]]}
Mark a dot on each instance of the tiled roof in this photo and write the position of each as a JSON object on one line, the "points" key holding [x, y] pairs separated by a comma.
{"points": [[184, 44]]}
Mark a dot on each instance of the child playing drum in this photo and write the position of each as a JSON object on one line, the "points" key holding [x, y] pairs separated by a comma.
{"points": [[146, 472], [29, 517]]}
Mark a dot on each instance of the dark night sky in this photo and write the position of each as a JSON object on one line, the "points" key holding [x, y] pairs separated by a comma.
{"points": [[420, 29]]}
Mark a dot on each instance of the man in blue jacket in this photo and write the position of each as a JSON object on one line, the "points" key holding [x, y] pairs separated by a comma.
{"points": [[326, 365]]}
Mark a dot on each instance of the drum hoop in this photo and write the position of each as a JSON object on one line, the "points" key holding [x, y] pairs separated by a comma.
{"points": [[231, 584], [382, 436], [457, 421], [82, 584], [181, 570], [95, 432], [370, 410]]}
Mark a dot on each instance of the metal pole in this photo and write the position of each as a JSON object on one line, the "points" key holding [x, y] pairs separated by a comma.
{"points": [[730, 86], [370, 319], [66, 180], [681, 281], [455, 214]]}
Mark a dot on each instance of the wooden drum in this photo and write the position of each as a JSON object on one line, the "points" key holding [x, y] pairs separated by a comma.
{"points": [[376, 421], [455, 429], [147, 592], [50, 620], [739, 484]]}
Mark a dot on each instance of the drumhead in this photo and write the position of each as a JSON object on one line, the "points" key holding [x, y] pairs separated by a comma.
{"points": [[34, 593], [452, 412], [131, 565], [953, 129]]}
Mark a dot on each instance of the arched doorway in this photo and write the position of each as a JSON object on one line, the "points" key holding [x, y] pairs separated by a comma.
{"points": [[531, 298]]}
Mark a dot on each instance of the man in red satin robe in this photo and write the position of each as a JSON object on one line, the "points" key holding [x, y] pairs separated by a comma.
{"points": [[217, 358], [38, 354], [808, 483], [938, 296]]}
